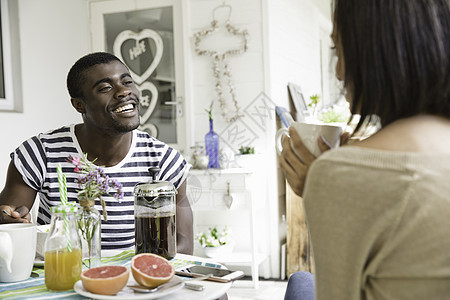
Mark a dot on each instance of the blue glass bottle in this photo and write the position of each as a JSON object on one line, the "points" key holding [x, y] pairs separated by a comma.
{"points": [[212, 146]]}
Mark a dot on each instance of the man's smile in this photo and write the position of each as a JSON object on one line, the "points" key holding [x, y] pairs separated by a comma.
{"points": [[124, 108]]}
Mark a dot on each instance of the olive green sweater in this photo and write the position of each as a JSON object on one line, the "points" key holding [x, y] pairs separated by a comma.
{"points": [[380, 224]]}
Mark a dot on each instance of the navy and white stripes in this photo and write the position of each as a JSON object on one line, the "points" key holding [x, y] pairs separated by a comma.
{"points": [[37, 158]]}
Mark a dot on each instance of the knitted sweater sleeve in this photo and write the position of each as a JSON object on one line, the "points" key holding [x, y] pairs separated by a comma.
{"points": [[351, 216]]}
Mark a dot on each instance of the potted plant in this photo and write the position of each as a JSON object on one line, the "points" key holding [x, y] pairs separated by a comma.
{"points": [[315, 99], [216, 243], [246, 157], [247, 150], [334, 114]]}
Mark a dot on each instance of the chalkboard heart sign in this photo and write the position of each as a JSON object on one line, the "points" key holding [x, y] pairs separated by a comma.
{"points": [[149, 97], [135, 51]]}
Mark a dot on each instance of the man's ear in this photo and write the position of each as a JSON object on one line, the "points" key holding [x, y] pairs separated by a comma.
{"points": [[79, 105]]}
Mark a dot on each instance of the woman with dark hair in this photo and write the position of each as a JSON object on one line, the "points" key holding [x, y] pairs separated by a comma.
{"points": [[378, 210]]}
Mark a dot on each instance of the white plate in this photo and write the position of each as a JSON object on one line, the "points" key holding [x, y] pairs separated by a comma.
{"points": [[128, 293]]}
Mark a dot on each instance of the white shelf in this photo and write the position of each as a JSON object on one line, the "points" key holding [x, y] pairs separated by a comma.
{"points": [[220, 171], [207, 189], [241, 258]]}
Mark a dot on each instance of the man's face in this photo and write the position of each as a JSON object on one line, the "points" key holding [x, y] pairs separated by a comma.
{"points": [[111, 98]]}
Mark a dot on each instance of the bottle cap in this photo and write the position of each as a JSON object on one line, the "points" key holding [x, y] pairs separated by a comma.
{"points": [[64, 209]]}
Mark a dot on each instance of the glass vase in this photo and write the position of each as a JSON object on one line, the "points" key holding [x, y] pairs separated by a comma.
{"points": [[62, 249], [212, 146], [89, 226]]}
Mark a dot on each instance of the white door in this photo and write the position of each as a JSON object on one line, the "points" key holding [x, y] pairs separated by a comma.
{"points": [[148, 37]]}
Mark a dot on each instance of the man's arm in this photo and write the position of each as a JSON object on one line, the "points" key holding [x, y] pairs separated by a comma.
{"points": [[185, 236], [16, 198]]}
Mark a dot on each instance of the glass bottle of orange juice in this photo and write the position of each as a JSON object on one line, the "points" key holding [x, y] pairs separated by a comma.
{"points": [[62, 249]]}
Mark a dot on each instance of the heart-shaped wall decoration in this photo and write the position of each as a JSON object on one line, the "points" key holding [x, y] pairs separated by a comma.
{"points": [[149, 98], [135, 51]]}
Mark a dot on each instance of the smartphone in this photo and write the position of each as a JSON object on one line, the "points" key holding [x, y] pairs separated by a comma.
{"points": [[285, 116], [220, 275]]}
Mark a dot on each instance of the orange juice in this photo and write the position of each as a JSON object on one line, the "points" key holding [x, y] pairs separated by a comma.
{"points": [[62, 269]]}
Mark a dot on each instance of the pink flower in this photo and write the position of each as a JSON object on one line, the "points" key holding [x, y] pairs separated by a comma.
{"points": [[76, 161]]}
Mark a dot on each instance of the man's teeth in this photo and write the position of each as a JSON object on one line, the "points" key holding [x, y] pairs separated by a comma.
{"points": [[123, 108]]}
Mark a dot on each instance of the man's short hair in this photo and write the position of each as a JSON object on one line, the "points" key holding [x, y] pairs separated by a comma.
{"points": [[75, 76]]}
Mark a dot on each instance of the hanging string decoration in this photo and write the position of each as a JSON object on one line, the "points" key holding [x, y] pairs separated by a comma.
{"points": [[221, 69]]}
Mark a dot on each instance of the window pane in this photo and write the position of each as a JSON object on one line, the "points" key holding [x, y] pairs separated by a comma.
{"points": [[149, 54], [2, 75]]}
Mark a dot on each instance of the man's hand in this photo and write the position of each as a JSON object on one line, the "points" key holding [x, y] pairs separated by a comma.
{"points": [[11, 214], [16, 199]]}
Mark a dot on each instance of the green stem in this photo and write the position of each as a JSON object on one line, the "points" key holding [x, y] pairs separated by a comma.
{"points": [[87, 228]]}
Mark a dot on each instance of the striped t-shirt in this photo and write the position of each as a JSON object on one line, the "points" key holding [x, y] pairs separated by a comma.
{"points": [[37, 159]]}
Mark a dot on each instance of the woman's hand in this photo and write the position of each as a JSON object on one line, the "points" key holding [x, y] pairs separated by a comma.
{"points": [[324, 146], [296, 159]]}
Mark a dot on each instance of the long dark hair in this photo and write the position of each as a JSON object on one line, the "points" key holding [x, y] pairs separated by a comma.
{"points": [[396, 56]]}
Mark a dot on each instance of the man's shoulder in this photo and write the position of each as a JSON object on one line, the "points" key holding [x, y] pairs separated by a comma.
{"points": [[55, 136], [61, 134], [143, 139], [61, 131], [143, 135]]}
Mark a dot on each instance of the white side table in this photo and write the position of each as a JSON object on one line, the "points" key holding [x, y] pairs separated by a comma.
{"points": [[206, 190]]}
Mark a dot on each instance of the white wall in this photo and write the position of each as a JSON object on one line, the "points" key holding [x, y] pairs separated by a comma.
{"points": [[284, 47], [293, 55], [50, 43], [246, 69], [248, 76]]}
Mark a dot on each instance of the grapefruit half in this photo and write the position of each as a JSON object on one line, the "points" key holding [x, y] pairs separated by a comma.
{"points": [[106, 280], [151, 270]]}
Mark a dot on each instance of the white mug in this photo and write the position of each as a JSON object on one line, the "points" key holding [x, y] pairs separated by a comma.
{"points": [[17, 251], [309, 133]]}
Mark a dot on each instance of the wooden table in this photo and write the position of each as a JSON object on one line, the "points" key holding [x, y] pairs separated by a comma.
{"points": [[299, 250]]}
